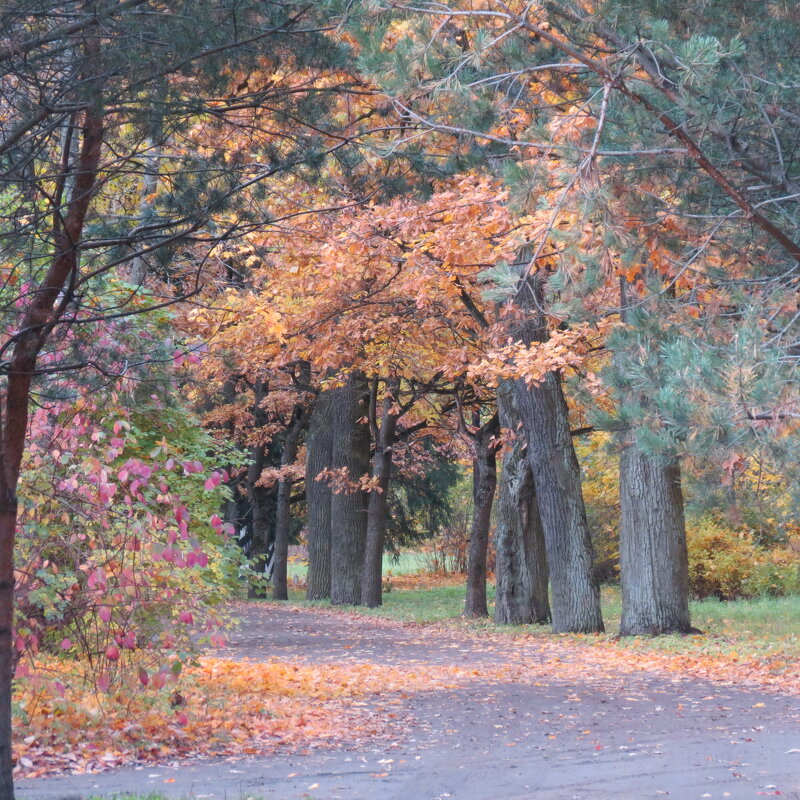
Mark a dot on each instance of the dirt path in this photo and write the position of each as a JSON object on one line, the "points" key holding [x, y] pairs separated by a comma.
{"points": [[573, 732]]}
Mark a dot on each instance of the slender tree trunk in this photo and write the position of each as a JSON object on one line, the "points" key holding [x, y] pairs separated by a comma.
{"points": [[283, 515], [521, 594], [46, 304], [349, 505], [557, 478], [8, 525], [263, 503], [652, 541], [319, 457], [262, 498], [654, 564], [378, 508], [484, 477]]}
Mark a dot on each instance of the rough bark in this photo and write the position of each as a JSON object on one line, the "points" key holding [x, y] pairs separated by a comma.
{"points": [[557, 478], [283, 515], [484, 476], [378, 507], [350, 449], [319, 443], [654, 564], [653, 560], [521, 593]]}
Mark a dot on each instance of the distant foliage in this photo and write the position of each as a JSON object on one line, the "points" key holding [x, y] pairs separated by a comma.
{"points": [[730, 565]]}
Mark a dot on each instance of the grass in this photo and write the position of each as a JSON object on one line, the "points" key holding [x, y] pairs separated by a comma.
{"points": [[408, 562]]}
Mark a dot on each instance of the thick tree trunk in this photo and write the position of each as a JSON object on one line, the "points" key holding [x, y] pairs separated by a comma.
{"points": [[654, 565], [349, 504], [484, 477], [652, 541], [378, 508], [557, 478], [319, 444], [521, 593], [283, 513]]}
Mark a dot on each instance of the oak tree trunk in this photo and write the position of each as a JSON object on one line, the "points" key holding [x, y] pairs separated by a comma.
{"points": [[521, 593], [378, 507], [484, 476], [319, 457], [654, 568], [350, 451], [575, 601]]}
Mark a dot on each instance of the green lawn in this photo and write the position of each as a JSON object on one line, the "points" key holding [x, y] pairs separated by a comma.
{"points": [[408, 562]]}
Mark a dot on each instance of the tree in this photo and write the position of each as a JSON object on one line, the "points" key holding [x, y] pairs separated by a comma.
{"points": [[89, 84], [484, 443], [711, 116], [521, 591]]}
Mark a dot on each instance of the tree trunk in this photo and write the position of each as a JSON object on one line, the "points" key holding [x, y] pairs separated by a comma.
{"points": [[262, 498], [652, 542], [521, 593], [484, 477], [8, 525], [263, 505], [349, 503], [283, 515], [557, 478], [378, 508], [319, 444], [46, 304], [654, 563]]}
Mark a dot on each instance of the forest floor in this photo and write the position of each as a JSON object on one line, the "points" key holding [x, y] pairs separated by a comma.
{"points": [[376, 708]]}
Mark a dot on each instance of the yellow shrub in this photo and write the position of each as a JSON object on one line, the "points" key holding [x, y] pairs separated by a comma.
{"points": [[720, 560]]}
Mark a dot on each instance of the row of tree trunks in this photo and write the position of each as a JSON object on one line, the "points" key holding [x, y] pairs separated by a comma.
{"points": [[521, 590], [542, 529]]}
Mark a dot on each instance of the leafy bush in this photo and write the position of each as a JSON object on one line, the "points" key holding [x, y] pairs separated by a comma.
{"points": [[122, 553], [720, 560], [776, 576], [729, 564]]}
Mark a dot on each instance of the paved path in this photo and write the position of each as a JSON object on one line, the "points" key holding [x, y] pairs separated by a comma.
{"points": [[641, 735]]}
